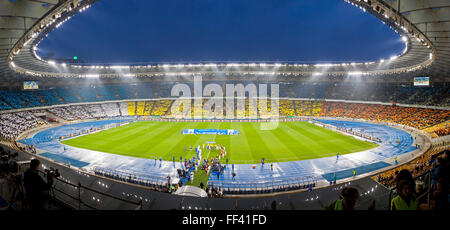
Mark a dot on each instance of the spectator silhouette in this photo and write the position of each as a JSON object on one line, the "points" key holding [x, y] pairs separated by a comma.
{"points": [[405, 200]]}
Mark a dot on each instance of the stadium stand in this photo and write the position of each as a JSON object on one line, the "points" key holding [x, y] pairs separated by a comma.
{"points": [[287, 108], [87, 93], [417, 167], [123, 106], [68, 95], [140, 108], [178, 107], [436, 95], [13, 124], [442, 129], [96, 111], [147, 108], [12, 99], [161, 107], [303, 108], [80, 112]]}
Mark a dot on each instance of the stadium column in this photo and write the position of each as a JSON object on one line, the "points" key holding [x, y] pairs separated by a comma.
{"points": [[198, 92]]}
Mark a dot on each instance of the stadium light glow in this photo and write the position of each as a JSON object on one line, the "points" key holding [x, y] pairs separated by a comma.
{"points": [[39, 28]]}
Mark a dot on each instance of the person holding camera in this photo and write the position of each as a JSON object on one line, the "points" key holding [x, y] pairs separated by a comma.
{"points": [[35, 186]]}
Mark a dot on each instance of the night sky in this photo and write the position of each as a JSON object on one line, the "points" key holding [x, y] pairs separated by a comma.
{"points": [[190, 31]]}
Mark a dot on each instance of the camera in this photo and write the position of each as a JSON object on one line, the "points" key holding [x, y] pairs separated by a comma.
{"points": [[52, 173]]}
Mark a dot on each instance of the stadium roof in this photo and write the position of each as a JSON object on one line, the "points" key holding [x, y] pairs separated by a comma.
{"points": [[424, 25]]}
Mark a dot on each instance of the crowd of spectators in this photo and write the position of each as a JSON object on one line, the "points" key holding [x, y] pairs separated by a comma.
{"points": [[433, 121], [161, 107], [442, 129], [286, 108], [215, 192]]}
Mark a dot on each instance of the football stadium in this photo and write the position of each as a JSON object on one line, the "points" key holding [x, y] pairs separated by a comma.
{"points": [[207, 131]]}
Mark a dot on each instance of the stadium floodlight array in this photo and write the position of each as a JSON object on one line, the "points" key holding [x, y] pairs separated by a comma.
{"points": [[396, 64]]}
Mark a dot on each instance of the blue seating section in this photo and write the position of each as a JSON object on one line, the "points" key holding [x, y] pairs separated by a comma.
{"points": [[12, 99], [107, 92], [87, 94]]}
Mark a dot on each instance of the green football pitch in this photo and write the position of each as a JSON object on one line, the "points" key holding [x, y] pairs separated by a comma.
{"points": [[289, 141]]}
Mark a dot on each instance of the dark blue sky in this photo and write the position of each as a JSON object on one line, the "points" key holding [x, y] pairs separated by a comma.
{"points": [[132, 31]]}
